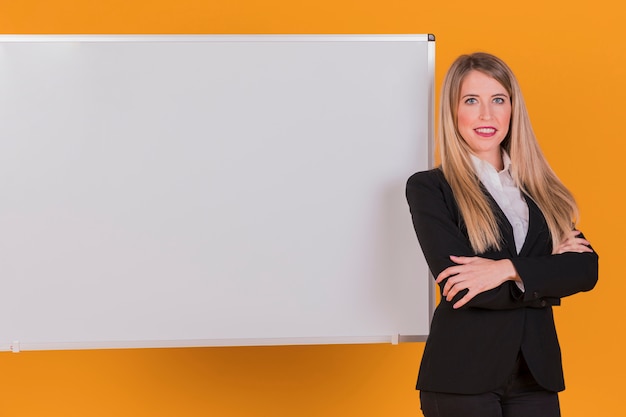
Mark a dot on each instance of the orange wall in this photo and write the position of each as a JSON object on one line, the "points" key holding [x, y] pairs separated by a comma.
{"points": [[570, 59]]}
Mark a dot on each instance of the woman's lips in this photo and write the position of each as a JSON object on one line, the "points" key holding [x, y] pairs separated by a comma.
{"points": [[485, 131]]}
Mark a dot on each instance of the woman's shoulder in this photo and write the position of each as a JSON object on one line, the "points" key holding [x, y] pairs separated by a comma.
{"points": [[425, 185], [429, 178], [429, 189]]}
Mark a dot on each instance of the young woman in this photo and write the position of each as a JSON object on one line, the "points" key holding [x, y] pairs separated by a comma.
{"points": [[496, 227]]}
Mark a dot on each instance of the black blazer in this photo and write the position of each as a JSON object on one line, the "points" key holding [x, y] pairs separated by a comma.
{"points": [[473, 349]]}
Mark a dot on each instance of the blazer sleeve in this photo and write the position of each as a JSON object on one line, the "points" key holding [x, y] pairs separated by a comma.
{"points": [[557, 275], [441, 233]]}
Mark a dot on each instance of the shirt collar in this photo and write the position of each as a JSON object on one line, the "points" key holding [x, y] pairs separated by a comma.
{"points": [[483, 167]]}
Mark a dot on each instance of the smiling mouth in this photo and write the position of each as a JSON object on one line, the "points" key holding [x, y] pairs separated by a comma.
{"points": [[485, 131]]}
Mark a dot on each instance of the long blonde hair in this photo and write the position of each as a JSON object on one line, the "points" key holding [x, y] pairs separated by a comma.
{"points": [[529, 168]]}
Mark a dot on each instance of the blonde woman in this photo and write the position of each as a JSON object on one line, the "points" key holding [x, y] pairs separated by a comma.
{"points": [[496, 227]]}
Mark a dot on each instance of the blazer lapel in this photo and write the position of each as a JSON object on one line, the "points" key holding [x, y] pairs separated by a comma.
{"points": [[503, 223], [507, 230], [536, 226]]}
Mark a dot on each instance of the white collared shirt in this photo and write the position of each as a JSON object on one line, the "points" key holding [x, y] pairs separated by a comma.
{"points": [[503, 189], [508, 196]]}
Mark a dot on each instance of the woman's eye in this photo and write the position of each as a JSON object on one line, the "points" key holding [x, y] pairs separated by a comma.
{"points": [[498, 100], [471, 100]]}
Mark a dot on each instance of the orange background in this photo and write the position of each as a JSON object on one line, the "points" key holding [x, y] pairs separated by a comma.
{"points": [[569, 58]]}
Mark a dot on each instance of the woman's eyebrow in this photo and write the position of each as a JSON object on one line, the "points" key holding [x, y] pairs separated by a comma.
{"points": [[478, 95]]}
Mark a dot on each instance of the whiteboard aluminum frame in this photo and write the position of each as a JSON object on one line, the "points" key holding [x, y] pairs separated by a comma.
{"points": [[218, 38]]}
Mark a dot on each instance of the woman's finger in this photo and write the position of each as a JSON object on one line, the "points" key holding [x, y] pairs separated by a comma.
{"points": [[574, 247], [453, 289], [464, 300], [448, 272]]}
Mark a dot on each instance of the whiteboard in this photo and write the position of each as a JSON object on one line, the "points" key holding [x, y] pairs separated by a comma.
{"points": [[160, 191]]}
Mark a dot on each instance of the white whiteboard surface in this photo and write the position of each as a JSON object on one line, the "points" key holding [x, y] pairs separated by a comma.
{"points": [[160, 191]]}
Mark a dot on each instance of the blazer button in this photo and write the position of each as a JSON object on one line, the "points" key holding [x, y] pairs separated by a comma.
{"points": [[544, 303], [536, 294]]}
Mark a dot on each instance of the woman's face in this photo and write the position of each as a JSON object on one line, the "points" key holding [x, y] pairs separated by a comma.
{"points": [[483, 116]]}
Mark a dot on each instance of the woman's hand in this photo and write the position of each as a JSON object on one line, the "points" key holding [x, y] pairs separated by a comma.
{"points": [[476, 275], [572, 243]]}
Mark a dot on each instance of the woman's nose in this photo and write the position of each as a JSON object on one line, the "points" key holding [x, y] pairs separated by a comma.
{"points": [[485, 113]]}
